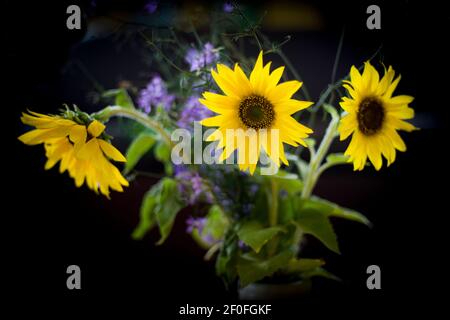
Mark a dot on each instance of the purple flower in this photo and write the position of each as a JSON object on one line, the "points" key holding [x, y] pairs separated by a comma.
{"points": [[191, 186], [228, 7], [200, 59], [151, 6], [193, 111], [195, 223], [155, 94], [199, 225]]}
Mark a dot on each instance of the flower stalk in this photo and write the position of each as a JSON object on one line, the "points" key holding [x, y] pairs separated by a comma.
{"points": [[136, 115], [313, 172]]}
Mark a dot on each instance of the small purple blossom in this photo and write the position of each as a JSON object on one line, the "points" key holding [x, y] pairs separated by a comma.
{"points": [[228, 7], [151, 6], [192, 111], [243, 246], [195, 223], [155, 94], [199, 225], [200, 59], [191, 186]]}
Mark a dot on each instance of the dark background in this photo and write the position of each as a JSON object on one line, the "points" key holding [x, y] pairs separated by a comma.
{"points": [[50, 224]]}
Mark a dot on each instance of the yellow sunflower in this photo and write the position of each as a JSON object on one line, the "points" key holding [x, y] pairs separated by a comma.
{"points": [[79, 149], [259, 106], [373, 117]]}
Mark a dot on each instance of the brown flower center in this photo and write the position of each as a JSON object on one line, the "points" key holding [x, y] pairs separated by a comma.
{"points": [[256, 112], [370, 116]]}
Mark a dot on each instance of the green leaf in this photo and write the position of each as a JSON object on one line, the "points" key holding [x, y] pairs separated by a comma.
{"points": [[316, 223], [331, 209], [303, 265], [337, 158], [254, 235], [308, 268], [226, 260], [215, 226], [147, 214], [140, 146], [167, 208], [287, 181], [320, 272], [160, 205], [285, 210], [121, 98], [216, 222], [251, 269], [162, 152]]}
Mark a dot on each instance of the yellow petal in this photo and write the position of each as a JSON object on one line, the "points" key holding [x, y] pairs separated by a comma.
{"points": [[402, 99], [242, 79], [284, 91], [391, 88], [111, 151], [78, 134], [396, 140], [374, 155], [217, 108], [385, 81], [96, 128], [215, 121], [257, 69], [226, 85], [291, 106], [89, 151]]}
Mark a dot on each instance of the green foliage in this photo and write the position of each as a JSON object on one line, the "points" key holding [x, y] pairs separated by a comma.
{"points": [[216, 225], [331, 209], [313, 214], [121, 98], [289, 182], [227, 258], [315, 223], [308, 268], [336, 158], [140, 146], [160, 206], [252, 268], [147, 217], [253, 234], [169, 204], [162, 153], [216, 222]]}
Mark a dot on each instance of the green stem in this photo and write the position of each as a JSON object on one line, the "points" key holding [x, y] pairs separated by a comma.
{"points": [[136, 115], [312, 173], [273, 212]]}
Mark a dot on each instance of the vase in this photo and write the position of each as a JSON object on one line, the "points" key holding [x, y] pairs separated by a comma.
{"points": [[275, 291]]}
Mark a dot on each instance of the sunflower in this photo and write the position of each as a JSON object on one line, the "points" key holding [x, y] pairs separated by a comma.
{"points": [[258, 106], [373, 117], [79, 148]]}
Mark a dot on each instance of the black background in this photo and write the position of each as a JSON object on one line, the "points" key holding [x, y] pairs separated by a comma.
{"points": [[50, 224]]}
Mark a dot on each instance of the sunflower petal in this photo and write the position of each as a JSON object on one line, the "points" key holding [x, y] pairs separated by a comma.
{"points": [[96, 128], [111, 151]]}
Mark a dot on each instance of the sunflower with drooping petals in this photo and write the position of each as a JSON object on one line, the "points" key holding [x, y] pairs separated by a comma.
{"points": [[258, 105], [374, 116], [79, 148]]}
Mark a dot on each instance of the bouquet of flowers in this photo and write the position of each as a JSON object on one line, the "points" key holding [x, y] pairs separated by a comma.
{"points": [[236, 137]]}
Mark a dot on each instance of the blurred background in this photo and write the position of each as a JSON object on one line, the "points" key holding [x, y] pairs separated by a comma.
{"points": [[51, 224]]}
